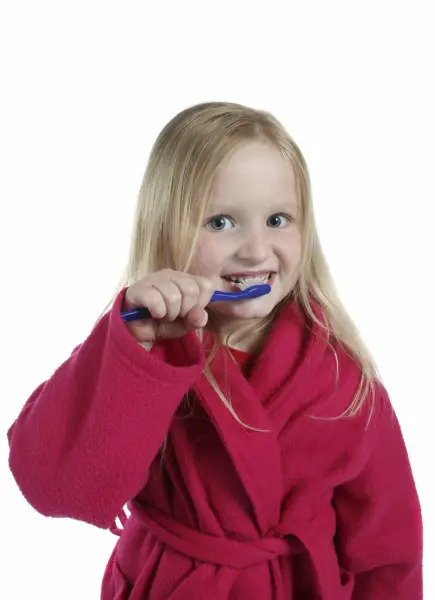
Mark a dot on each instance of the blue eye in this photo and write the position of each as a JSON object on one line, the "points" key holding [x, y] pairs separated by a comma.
{"points": [[222, 217], [281, 215], [215, 219]]}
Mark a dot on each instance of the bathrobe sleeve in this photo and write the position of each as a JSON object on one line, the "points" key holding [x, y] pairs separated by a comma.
{"points": [[379, 522], [83, 443]]}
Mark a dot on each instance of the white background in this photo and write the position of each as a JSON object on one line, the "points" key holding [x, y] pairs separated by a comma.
{"points": [[85, 89]]}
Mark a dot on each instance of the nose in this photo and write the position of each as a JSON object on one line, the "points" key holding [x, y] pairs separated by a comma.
{"points": [[255, 247]]}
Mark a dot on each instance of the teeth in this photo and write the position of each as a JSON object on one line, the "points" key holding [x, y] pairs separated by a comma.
{"points": [[245, 282], [238, 279]]}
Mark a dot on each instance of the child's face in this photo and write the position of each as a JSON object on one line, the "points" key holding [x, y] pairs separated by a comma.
{"points": [[246, 229]]}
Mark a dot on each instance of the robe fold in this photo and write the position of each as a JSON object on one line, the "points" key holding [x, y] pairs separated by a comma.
{"points": [[310, 509]]}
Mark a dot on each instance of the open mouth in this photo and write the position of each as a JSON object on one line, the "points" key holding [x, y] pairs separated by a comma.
{"points": [[242, 285]]}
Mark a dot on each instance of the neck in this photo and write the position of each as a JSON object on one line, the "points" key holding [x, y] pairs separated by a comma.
{"points": [[248, 343]]}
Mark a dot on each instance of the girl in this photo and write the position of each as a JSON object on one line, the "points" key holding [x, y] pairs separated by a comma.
{"points": [[252, 441]]}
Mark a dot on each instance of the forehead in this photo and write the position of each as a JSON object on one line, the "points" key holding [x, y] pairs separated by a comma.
{"points": [[255, 171]]}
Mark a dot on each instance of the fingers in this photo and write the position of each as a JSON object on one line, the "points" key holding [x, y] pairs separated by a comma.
{"points": [[172, 297], [179, 293]]}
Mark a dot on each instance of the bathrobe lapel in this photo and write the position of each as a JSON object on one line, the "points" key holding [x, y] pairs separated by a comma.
{"points": [[265, 400]]}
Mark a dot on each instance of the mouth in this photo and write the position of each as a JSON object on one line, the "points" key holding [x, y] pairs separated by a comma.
{"points": [[237, 287]]}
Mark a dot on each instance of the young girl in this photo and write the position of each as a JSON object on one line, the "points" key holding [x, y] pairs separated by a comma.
{"points": [[252, 440]]}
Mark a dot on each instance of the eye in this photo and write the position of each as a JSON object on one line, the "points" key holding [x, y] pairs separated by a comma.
{"points": [[220, 218], [288, 217]]}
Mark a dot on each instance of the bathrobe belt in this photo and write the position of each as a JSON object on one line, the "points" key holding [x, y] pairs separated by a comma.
{"points": [[223, 551]]}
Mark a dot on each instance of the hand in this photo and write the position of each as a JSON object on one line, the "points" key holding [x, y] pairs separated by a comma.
{"points": [[175, 301]]}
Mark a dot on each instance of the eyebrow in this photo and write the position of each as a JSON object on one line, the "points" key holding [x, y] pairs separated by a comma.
{"points": [[235, 207]]}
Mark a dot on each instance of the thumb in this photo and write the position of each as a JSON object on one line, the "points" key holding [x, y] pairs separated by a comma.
{"points": [[196, 318]]}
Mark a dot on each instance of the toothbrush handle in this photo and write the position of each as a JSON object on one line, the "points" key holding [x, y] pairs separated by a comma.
{"points": [[144, 313], [135, 313], [251, 292]]}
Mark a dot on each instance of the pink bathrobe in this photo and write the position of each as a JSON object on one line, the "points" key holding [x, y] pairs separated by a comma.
{"points": [[312, 510]]}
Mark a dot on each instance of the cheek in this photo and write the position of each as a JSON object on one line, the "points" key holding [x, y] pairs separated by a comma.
{"points": [[290, 250], [208, 257], [295, 246]]}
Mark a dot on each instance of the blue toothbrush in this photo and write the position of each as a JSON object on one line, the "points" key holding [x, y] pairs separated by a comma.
{"points": [[250, 292]]}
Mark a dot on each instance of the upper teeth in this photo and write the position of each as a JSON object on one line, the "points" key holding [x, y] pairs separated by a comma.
{"points": [[248, 278]]}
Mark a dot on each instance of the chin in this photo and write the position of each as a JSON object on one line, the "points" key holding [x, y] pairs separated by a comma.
{"points": [[243, 312]]}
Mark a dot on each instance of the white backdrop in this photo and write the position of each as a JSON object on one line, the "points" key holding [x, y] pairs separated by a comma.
{"points": [[85, 89]]}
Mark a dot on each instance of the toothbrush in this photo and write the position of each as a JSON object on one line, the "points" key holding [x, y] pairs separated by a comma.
{"points": [[251, 292]]}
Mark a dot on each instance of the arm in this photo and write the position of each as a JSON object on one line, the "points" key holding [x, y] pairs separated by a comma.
{"points": [[82, 445], [379, 524]]}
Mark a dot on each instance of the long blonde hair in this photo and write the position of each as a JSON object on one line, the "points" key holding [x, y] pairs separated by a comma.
{"points": [[172, 201]]}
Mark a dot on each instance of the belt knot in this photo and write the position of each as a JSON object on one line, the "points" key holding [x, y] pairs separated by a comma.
{"points": [[208, 548]]}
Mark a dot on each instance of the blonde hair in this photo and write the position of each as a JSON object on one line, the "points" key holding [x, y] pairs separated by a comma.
{"points": [[172, 201]]}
